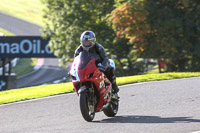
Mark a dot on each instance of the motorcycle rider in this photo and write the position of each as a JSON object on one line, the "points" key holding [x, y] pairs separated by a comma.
{"points": [[88, 43]]}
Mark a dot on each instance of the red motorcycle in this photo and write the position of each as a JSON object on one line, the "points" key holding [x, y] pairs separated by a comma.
{"points": [[93, 87]]}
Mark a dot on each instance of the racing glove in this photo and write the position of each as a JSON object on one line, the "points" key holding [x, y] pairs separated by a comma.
{"points": [[101, 67]]}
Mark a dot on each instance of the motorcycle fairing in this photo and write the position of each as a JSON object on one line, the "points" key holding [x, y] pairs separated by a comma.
{"points": [[85, 70]]}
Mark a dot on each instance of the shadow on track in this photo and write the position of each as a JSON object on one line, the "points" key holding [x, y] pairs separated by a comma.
{"points": [[147, 119]]}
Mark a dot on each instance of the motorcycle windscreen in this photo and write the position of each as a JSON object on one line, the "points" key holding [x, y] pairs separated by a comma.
{"points": [[87, 65], [85, 58]]}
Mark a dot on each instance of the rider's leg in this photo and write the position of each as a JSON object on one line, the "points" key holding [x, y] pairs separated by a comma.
{"points": [[111, 76], [114, 85]]}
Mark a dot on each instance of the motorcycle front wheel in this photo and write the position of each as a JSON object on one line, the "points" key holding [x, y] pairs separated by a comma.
{"points": [[87, 110]]}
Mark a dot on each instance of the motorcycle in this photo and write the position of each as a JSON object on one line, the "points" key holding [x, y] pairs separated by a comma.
{"points": [[93, 87]]}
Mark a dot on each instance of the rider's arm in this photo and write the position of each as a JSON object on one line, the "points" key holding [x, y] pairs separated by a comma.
{"points": [[78, 50], [103, 56]]}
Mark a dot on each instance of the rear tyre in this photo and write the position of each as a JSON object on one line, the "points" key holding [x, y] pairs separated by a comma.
{"points": [[112, 109], [88, 114]]}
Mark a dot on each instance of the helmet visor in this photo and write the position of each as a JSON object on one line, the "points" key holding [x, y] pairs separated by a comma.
{"points": [[87, 43]]}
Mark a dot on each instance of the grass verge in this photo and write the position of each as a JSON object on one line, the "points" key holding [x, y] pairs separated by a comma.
{"points": [[24, 66], [34, 92], [54, 89], [155, 77], [7, 33]]}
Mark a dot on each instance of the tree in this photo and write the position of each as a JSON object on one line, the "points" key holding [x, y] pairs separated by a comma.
{"points": [[67, 19], [162, 29], [174, 27]]}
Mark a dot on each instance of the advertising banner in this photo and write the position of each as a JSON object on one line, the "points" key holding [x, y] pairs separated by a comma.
{"points": [[24, 47]]}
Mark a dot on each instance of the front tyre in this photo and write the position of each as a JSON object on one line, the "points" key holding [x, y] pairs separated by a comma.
{"points": [[86, 108]]}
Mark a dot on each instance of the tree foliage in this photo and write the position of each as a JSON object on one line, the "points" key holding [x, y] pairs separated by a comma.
{"points": [[167, 29], [67, 19]]}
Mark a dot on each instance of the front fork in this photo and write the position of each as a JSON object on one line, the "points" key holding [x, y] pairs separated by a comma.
{"points": [[91, 97]]}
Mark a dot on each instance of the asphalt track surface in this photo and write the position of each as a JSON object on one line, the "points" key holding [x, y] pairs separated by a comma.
{"points": [[18, 26], [171, 106], [46, 74], [50, 71]]}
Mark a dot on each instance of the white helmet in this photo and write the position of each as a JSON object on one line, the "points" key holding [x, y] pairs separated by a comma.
{"points": [[87, 40]]}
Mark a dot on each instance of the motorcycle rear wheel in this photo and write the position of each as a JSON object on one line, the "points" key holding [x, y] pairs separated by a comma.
{"points": [[112, 109], [87, 114]]}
